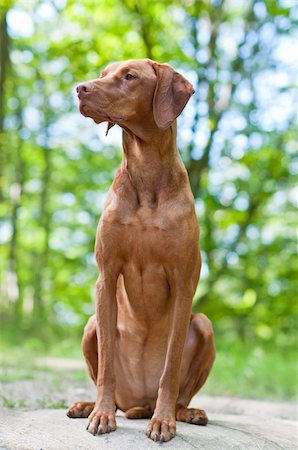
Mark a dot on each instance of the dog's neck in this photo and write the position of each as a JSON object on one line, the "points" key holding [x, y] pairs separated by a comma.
{"points": [[153, 164]]}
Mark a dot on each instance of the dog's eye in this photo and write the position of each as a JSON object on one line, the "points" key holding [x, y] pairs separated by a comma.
{"points": [[129, 76]]}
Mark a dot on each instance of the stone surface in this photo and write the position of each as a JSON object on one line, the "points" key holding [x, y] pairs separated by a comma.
{"points": [[233, 424]]}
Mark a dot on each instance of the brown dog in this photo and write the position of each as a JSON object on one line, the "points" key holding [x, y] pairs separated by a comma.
{"points": [[146, 352]]}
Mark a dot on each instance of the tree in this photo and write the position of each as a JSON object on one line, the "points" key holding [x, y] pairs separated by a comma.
{"points": [[237, 145]]}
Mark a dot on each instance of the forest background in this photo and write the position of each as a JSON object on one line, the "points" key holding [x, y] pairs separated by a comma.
{"points": [[237, 138]]}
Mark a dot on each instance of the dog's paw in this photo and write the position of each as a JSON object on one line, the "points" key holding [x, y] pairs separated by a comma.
{"points": [[192, 415], [101, 422], [161, 430], [80, 410]]}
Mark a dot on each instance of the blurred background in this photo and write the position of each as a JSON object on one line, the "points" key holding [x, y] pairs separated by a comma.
{"points": [[236, 137]]}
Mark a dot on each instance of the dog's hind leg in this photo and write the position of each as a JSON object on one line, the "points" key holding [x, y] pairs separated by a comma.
{"points": [[80, 410], [139, 412], [89, 347], [197, 361]]}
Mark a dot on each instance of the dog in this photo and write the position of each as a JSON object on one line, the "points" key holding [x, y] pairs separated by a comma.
{"points": [[145, 351]]}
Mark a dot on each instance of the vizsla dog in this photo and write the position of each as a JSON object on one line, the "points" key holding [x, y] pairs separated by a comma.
{"points": [[145, 351]]}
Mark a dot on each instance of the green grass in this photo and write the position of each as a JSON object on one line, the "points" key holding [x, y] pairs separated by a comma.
{"points": [[46, 403], [9, 374], [239, 370], [13, 404], [263, 373], [28, 368]]}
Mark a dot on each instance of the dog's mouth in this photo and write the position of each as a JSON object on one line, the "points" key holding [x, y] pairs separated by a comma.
{"points": [[97, 114], [82, 109]]}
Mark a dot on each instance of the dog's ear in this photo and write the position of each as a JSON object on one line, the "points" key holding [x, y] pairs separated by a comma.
{"points": [[172, 92]]}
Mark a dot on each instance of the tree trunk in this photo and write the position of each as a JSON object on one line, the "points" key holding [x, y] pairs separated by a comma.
{"points": [[41, 259], [16, 200], [4, 61]]}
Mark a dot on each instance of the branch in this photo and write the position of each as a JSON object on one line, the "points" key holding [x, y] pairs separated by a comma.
{"points": [[196, 167], [143, 25], [224, 263]]}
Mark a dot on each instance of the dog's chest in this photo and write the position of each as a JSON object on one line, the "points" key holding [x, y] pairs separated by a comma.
{"points": [[142, 234], [165, 216]]}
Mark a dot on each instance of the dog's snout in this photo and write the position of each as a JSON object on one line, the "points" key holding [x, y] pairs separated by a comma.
{"points": [[82, 88]]}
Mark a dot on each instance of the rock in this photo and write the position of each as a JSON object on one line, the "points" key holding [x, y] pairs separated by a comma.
{"points": [[233, 424]]}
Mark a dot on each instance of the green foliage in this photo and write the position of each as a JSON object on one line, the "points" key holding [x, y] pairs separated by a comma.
{"points": [[237, 138]]}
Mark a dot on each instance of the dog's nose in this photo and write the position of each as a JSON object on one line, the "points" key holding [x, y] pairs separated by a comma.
{"points": [[82, 88]]}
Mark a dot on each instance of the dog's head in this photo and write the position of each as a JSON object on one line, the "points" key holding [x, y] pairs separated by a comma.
{"points": [[141, 91]]}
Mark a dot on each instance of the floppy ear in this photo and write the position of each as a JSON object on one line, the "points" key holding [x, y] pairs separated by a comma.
{"points": [[172, 92]]}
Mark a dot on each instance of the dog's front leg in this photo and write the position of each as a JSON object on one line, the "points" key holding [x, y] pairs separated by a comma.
{"points": [[102, 419], [162, 426]]}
